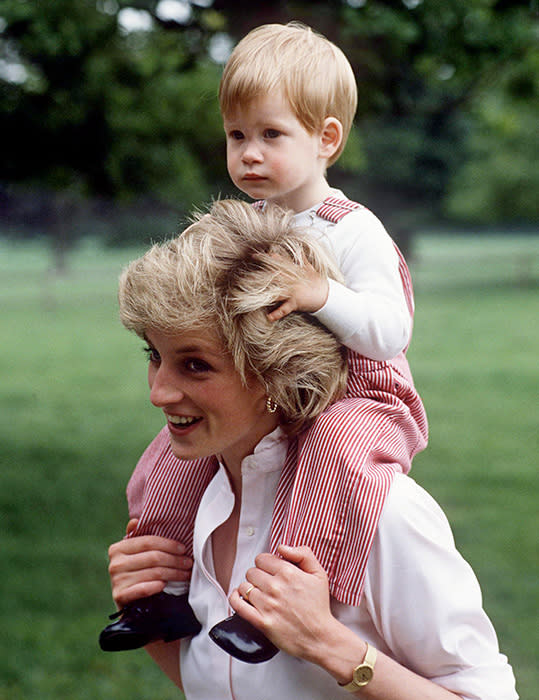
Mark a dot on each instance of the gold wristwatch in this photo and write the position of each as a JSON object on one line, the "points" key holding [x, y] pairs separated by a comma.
{"points": [[363, 673]]}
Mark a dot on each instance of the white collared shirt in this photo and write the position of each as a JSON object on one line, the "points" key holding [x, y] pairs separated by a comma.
{"points": [[421, 604]]}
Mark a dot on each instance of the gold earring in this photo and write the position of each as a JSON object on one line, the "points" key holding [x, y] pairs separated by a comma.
{"points": [[271, 405]]}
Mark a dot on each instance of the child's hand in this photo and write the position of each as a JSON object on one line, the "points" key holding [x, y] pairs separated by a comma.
{"points": [[309, 294]]}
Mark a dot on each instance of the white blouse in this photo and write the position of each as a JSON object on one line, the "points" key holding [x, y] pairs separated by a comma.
{"points": [[421, 605]]}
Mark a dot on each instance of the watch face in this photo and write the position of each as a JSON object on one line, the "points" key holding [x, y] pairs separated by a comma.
{"points": [[363, 675]]}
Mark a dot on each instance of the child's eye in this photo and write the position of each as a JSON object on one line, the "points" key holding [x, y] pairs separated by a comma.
{"points": [[271, 133], [151, 354], [236, 135]]}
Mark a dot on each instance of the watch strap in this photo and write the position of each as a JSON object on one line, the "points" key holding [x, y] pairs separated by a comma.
{"points": [[363, 673]]}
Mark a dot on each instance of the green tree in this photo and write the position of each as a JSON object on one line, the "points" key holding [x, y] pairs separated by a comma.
{"points": [[499, 180], [99, 110], [108, 111]]}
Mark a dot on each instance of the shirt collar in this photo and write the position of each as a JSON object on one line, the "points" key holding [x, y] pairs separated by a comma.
{"points": [[269, 454]]}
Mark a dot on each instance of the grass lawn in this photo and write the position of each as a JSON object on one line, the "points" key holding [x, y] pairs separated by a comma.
{"points": [[76, 417]]}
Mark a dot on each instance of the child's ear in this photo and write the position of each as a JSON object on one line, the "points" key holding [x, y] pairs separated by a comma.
{"points": [[330, 137]]}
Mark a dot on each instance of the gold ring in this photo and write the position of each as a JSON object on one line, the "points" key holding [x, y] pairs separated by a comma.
{"points": [[246, 594]]}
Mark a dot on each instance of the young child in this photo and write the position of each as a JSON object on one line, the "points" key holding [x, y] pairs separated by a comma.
{"points": [[288, 97]]}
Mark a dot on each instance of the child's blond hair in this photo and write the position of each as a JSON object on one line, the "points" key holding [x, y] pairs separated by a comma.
{"points": [[315, 76]]}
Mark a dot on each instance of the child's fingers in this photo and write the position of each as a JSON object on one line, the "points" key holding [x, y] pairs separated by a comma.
{"points": [[283, 310]]}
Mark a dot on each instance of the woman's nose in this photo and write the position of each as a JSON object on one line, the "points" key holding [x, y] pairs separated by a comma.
{"points": [[164, 390]]}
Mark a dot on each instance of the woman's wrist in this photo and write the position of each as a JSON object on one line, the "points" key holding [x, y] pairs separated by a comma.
{"points": [[342, 651], [339, 652]]}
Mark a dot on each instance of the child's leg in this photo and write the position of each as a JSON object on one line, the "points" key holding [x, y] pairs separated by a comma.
{"points": [[163, 494], [166, 491], [330, 497], [345, 466]]}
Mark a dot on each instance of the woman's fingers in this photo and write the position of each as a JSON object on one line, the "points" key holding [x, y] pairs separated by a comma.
{"points": [[141, 566], [133, 559], [286, 597], [302, 557], [131, 526], [146, 568], [246, 608], [123, 596], [133, 545]]}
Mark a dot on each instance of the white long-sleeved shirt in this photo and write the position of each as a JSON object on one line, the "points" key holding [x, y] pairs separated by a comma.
{"points": [[368, 313], [421, 604]]}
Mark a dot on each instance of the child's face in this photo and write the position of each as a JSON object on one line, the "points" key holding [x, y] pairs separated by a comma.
{"points": [[270, 154]]}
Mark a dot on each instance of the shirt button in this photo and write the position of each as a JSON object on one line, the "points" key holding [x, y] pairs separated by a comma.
{"points": [[250, 531]]}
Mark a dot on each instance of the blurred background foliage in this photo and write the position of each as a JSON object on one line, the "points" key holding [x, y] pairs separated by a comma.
{"points": [[110, 125]]}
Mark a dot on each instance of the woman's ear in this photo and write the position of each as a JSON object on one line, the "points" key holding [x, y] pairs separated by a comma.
{"points": [[330, 137]]}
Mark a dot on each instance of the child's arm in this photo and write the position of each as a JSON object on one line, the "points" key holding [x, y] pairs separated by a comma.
{"points": [[369, 312]]}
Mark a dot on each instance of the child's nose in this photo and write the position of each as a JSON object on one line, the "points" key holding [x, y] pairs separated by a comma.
{"points": [[251, 153]]}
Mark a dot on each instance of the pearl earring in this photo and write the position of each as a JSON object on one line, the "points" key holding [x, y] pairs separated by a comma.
{"points": [[271, 405]]}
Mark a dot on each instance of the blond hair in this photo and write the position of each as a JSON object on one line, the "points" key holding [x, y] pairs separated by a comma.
{"points": [[315, 76], [224, 273]]}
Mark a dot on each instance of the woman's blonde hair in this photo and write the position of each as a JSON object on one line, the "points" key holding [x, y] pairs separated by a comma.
{"points": [[224, 273], [315, 76]]}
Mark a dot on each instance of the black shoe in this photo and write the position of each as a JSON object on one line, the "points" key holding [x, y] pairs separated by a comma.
{"points": [[158, 617], [242, 641]]}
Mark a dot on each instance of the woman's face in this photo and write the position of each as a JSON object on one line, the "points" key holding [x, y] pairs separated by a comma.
{"points": [[209, 410]]}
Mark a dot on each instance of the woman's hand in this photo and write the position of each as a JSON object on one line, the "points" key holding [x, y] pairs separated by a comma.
{"points": [[141, 566], [288, 599]]}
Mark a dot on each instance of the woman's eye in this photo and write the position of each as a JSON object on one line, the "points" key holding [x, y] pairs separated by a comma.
{"points": [[152, 355], [196, 366]]}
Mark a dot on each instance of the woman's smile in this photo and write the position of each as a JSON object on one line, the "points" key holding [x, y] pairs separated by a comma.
{"points": [[182, 421], [209, 409]]}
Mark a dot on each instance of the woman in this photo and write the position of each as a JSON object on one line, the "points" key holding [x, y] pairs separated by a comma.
{"points": [[218, 369]]}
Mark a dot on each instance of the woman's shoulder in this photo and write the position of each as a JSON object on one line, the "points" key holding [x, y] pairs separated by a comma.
{"points": [[427, 601], [411, 511]]}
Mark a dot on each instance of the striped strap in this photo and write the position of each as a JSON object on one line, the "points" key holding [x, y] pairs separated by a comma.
{"points": [[333, 209]]}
